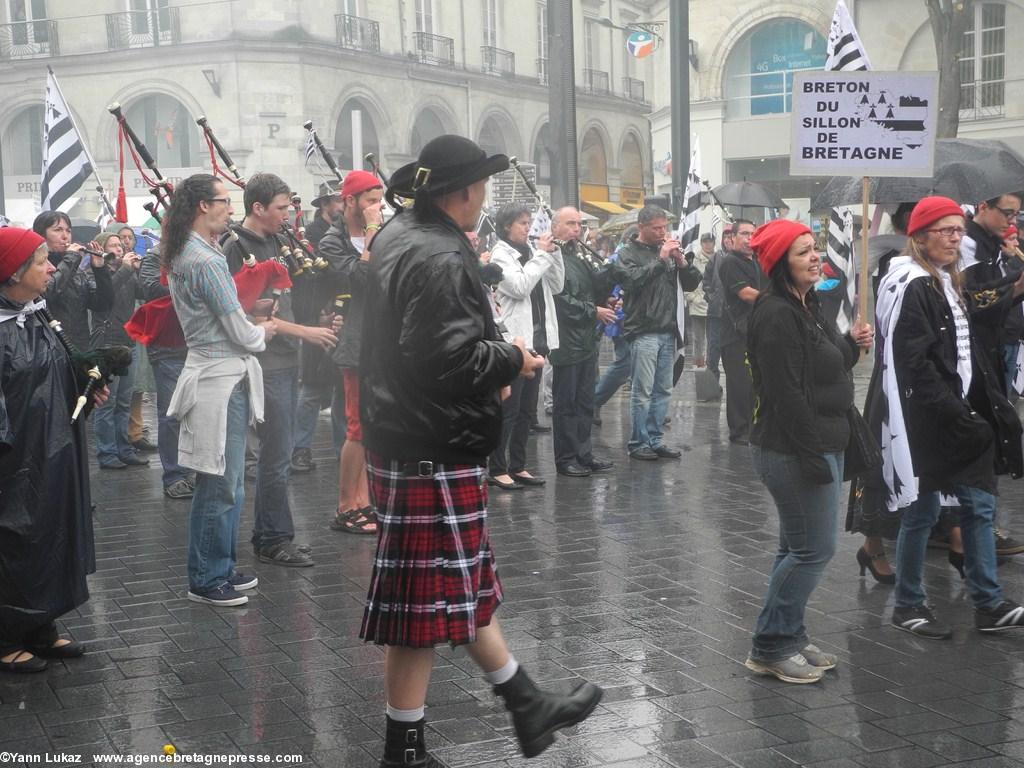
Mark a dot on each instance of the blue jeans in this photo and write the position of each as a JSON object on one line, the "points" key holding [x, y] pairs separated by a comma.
{"points": [[808, 525], [1010, 364], [217, 505], [615, 375], [976, 510], [110, 420], [272, 511], [653, 355], [312, 398], [714, 344], [166, 371]]}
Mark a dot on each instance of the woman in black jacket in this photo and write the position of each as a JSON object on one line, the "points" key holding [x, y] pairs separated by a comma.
{"points": [[803, 391], [949, 428]]}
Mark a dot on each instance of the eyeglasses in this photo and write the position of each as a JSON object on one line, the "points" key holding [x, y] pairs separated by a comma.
{"points": [[225, 200], [949, 232], [1008, 213]]}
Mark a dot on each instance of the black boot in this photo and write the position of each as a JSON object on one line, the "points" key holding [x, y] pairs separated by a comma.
{"points": [[536, 714], [404, 746]]}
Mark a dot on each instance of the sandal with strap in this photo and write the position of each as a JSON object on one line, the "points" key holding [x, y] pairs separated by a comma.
{"points": [[358, 521], [19, 664]]}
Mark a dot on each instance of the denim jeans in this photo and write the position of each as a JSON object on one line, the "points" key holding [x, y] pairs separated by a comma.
{"points": [[1010, 365], [714, 344], [110, 420], [976, 510], [272, 511], [616, 374], [653, 356], [808, 526], [166, 371], [312, 398], [217, 505], [572, 418]]}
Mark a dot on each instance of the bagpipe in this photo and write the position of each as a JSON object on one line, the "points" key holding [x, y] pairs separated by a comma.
{"points": [[98, 366], [159, 187]]}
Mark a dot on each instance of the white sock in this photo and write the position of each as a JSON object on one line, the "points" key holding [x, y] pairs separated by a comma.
{"points": [[503, 674], [406, 715]]}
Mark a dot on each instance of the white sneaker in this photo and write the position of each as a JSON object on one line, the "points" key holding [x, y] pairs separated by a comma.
{"points": [[818, 658], [795, 669]]}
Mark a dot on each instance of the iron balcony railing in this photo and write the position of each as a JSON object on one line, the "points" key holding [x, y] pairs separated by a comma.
{"points": [[542, 71], [28, 39], [436, 50], [633, 89], [357, 33], [596, 81], [497, 61], [145, 28]]}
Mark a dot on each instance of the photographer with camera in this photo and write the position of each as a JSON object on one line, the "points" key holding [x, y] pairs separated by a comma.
{"points": [[114, 450]]}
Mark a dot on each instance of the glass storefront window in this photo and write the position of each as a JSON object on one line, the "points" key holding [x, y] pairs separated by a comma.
{"points": [[760, 69]]}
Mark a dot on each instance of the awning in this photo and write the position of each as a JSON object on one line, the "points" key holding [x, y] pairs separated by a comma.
{"points": [[630, 206], [604, 205]]}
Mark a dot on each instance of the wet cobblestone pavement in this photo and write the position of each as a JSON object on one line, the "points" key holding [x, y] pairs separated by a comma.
{"points": [[646, 581]]}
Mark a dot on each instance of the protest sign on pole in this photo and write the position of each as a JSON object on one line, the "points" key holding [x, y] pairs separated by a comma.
{"points": [[864, 124]]}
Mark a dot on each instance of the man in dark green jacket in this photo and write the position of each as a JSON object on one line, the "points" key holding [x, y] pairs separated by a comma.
{"points": [[574, 363], [652, 271]]}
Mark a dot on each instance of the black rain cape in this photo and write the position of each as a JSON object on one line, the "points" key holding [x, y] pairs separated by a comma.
{"points": [[46, 538]]}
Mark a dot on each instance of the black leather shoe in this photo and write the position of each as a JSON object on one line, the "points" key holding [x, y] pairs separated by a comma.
{"points": [[540, 429], [574, 470], [600, 465], [537, 714], [134, 460], [643, 454], [664, 452], [529, 480]]}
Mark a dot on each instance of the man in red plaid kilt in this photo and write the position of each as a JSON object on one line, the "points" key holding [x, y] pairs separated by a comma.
{"points": [[434, 371]]}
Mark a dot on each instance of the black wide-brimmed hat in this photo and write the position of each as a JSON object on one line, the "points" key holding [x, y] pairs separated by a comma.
{"points": [[325, 193], [446, 164]]}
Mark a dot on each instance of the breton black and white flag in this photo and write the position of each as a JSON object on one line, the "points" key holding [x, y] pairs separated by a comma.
{"points": [[845, 50], [66, 161], [689, 217], [310, 151], [845, 54]]}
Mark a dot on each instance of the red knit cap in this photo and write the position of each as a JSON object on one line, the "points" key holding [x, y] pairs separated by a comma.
{"points": [[931, 209], [16, 245], [771, 241], [357, 182]]}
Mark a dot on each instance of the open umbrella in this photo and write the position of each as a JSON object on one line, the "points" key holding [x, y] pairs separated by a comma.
{"points": [[966, 170], [83, 230], [746, 194], [617, 223]]}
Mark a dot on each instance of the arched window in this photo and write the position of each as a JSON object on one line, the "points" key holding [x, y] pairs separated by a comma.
{"points": [[593, 159], [542, 155], [492, 137], [427, 126], [167, 129], [761, 66], [632, 162], [23, 143], [344, 135]]}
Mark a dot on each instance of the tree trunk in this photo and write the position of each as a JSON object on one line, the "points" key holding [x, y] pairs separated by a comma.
{"points": [[949, 20]]}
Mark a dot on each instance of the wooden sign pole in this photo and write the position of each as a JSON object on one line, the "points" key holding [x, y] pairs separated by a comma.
{"points": [[862, 303]]}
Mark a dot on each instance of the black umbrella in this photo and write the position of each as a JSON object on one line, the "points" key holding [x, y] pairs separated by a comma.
{"points": [[83, 230], [967, 170], [746, 194]]}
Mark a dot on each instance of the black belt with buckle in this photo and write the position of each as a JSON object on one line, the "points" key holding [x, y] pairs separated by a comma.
{"points": [[418, 469]]}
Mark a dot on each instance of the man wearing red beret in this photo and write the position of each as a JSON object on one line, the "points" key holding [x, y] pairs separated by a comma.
{"points": [[346, 246]]}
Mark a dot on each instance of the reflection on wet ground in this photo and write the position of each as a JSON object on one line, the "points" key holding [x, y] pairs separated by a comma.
{"points": [[646, 581]]}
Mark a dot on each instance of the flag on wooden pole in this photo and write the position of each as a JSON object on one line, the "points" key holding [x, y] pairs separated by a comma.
{"points": [[66, 161]]}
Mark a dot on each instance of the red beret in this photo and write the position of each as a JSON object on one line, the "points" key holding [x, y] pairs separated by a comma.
{"points": [[771, 241], [16, 245], [931, 209], [357, 182]]}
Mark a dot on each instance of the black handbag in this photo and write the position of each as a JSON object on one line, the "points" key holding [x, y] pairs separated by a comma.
{"points": [[863, 454]]}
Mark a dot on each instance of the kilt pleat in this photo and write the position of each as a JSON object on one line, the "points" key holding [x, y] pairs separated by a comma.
{"points": [[434, 579]]}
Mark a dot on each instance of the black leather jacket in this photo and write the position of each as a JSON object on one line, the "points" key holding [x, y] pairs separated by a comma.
{"points": [[432, 363], [951, 438], [649, 288], [73, 293], [351, 272]]}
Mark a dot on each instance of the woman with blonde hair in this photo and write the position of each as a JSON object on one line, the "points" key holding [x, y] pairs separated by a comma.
{"points": [[948, 427]]}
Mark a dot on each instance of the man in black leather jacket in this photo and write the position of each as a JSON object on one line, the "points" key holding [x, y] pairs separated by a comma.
{"points": [[433, 370]]}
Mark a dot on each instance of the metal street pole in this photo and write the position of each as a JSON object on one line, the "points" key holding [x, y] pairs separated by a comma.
{"points": [[565, 189], [679, 64]]}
